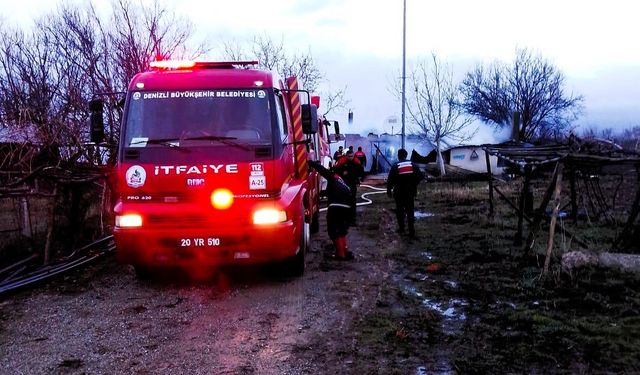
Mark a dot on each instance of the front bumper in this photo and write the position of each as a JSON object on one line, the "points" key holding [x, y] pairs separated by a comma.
{"points": [[206, 246]]}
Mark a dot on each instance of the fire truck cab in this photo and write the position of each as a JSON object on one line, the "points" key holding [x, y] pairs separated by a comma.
{"points": [[212, 168]]}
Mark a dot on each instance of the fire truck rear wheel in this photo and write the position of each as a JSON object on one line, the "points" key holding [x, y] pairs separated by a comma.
{"points": [[315, 222]]}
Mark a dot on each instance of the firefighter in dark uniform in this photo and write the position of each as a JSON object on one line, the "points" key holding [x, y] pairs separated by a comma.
{"points": [[338, 154], [360, 155], [349, 168], [338, 210], [402, 184]]}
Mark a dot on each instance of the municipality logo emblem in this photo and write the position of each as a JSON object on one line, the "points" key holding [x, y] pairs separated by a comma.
{"points": [[135, 176]]}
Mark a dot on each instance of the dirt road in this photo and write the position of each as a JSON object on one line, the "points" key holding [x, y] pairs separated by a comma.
{"points": [[460, 299], [103, 320]]}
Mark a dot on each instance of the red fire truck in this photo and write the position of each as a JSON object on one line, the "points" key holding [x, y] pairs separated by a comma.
{"points": [[212, 167]]}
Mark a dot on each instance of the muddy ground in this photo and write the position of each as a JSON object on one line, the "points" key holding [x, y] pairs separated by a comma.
{"points": [[459, 299]]}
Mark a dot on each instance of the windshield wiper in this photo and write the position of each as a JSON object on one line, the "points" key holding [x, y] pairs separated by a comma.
{"points": [[168, 142], [225, 140]]}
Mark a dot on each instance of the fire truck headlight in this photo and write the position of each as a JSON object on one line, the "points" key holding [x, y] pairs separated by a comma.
{"points": [[269, 216], [129, 221], [221, 199]]}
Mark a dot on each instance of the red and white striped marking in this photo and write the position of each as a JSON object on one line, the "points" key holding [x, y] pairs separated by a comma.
{"points": [[405, 167]]}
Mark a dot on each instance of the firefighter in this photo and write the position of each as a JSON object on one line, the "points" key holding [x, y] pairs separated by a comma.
{"points": [[338, 154], [338, 197], [360, 155], [402, 184], [349, 168]]}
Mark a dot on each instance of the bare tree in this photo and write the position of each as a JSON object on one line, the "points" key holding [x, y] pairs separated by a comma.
{"points": [[144, 34], [48, 76], [272, 55], [233, 50], [32, 87], [590, 132], [433, 104], [531, 86], [631, 138], [334, 99], [607, 133]]}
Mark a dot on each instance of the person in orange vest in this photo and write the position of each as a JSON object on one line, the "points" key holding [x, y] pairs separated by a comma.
{"points": [[402, 184], [338, 211], [349, 168]]}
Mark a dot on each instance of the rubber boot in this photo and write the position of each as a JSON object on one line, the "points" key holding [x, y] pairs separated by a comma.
{"points": [[335, 246], [348, 254], [341, 247], [338, 247]]}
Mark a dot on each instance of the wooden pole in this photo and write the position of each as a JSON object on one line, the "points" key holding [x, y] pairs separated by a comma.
{"points": [[26, 217], [568, 233], [574, 195], [523, 197], [490, 177], [539, 214], [554, 217], [52, 220], [635, 210]]}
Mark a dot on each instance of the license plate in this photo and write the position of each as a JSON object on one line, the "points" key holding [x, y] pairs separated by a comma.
{"points": [[199, 242]]}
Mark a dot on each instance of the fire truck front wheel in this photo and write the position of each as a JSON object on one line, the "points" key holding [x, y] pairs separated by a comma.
{"points": [[142, 272], [295, 265], [315, 222]]}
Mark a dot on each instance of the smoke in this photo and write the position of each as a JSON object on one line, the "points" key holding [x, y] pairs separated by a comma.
{"points": [[488, 134]]}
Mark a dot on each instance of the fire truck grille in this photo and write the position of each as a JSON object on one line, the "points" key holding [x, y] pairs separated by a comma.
{"points": [[181, 220], [191, 221]]}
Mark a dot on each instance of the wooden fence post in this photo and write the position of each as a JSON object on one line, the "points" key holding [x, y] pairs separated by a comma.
{"points": [[490, 177], [554, 217]]}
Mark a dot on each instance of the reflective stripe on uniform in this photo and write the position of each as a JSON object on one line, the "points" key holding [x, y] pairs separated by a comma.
{"points": [[405, 167]]}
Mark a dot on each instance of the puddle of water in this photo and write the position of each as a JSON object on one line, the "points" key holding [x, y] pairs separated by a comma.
{"points": [[451, 283], [421, 215], [452, 311], [506, 303], [427, 255], [440, 367], [411, 290]]}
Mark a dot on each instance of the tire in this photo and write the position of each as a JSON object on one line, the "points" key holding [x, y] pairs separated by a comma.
{"points": [[294, 266], [142, 272], [315, 222]]}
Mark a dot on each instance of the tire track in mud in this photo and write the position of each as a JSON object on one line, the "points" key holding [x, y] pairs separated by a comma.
{"points": [[248, 321]]}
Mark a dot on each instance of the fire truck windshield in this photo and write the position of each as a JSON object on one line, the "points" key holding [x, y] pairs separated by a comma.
{"points": [[198, 118]]}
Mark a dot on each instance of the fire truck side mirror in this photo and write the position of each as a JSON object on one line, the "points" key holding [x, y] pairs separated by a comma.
{"points": [[336, 127], [309, 119], [97, 122]]}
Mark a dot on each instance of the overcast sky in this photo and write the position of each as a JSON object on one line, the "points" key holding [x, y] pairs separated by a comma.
{"points": [[358, 43]]}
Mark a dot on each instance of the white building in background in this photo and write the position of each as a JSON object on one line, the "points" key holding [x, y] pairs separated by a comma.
{"points": [[472, 158]]}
